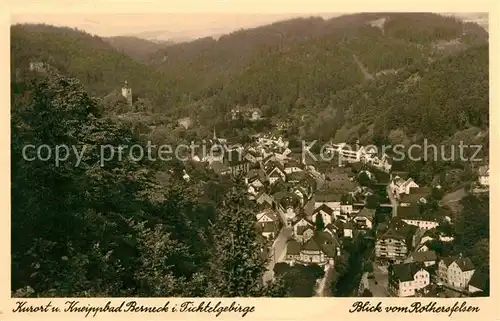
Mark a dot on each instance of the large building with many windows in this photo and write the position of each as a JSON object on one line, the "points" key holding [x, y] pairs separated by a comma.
{"points": [[391, 246]]}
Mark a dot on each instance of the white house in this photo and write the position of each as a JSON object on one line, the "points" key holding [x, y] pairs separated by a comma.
{"points": [[364, 219], [406, 278], [346, 208], [300, 226], [332, 200], [484, 175], [325, 212], [411, 215], [422, 223], [267, 223], [292, 166], [348, 153], [185, 176], [456, 272], [275, 175], [401, 186]]}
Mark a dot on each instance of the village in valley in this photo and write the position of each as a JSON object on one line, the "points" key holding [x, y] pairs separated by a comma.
{"points": [[309, 211]]}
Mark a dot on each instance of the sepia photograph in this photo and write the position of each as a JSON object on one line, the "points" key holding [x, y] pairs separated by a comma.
{"points": [[233, 155]]}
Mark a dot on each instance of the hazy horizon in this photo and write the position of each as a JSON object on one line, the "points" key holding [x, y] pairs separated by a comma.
{"points": [[174, 26]]}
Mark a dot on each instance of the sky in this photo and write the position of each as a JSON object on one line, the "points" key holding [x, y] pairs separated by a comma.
{"points": [[175, 26], [191, 25]]}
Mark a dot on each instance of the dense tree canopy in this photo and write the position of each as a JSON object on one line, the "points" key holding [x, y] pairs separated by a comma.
{"points": [[111, 229]]}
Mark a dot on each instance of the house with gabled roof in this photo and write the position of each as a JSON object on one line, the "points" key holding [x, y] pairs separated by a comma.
{"points": [[332, 228], [412, 215], [484, 175], [263, 197], [267, 230], [293, 249], [428, 258], [299, 226], [253, 156], [332, 199], [406, 278], [292, 166], [391, 245], [364, 218], [418, 195], [456, 271], [326, 213], [256, 177], [288, 206], [236, 162], [382, 163], [220, 168], [346, 228], [276, 175], [400, 186], [304, 233], [321, 249]]}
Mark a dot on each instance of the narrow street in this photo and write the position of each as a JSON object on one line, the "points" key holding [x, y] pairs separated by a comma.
{"points": [[277, 252], [378, 284], [324, 281], [394, 202]]}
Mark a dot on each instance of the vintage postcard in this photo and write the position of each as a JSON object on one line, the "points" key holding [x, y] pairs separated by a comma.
{"points": [[257, 160]]}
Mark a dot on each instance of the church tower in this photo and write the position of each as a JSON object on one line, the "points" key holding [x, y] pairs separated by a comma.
{"points": [[127, 93]]}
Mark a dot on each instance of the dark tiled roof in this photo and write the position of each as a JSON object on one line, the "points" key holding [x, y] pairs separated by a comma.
{"points": [[324, 208], [311, 245], [409, 212], [234, 157], [424, 256], [366, 212], [464, 263], [392, 234], [293, 247], [479, 280], [381, 177], [406, 271], [447, 260], [273, 164], [326, 196], [332, 226], [296, 176], [412, 198], [266, 227], [294, 163], [268, 213], [327, 242], [219, 167]]}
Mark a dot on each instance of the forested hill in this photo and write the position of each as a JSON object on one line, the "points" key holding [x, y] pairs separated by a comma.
{"points": [[97, 64], [137, 48], [368, 76]]}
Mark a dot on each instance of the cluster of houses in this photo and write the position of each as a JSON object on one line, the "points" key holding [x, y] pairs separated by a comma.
{"points": [[246, 112], [362, 154], [422, 273], [403, 244], [322, 204]]}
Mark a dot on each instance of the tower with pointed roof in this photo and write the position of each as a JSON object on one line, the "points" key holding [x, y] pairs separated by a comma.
{"points": [[127, 93]]}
